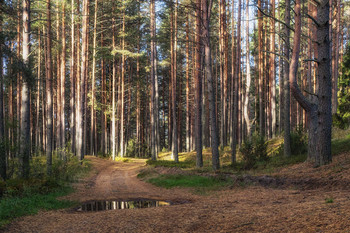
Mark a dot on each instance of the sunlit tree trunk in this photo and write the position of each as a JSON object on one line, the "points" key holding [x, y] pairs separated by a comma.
{"points": [[63, 82], [260, 71], [49, 77], [248, 78], [72, 80], [187, 85], [113, 120], [153, 81], [273, 71], [25, 151], [236, 88]]}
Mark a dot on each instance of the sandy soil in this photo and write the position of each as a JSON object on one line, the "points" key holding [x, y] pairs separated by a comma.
{"points": [[290, 207]]}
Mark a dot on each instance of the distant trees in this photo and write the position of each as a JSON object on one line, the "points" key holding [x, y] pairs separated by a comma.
{"points": [[138, 77]]}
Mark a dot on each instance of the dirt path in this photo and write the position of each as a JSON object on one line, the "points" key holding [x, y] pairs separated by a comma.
{"points": [[248, 209]]}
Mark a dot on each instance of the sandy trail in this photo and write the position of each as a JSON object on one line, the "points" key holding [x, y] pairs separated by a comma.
{"points": [[248, 209]]}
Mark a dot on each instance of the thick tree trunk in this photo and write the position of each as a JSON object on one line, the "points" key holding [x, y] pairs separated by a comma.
{"points": [[25, 147], [320, 116], [206, 41]]}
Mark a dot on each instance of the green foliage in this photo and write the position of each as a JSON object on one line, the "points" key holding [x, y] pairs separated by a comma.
{"points": [[192, 181], [133, 148], [254, 150], [167, 163], [341, 145], [342, 118], [298, 141], [15, 206], [329, 200]]}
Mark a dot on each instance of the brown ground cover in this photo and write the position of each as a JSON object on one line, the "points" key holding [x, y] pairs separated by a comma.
{"points": [[291, 200]]}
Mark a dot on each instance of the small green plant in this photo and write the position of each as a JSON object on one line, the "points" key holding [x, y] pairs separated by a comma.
{"points": [[254, 150], [298, 141], [329, 200]]}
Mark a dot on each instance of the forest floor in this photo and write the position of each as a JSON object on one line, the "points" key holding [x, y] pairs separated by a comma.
{"points": [[297, 198]]}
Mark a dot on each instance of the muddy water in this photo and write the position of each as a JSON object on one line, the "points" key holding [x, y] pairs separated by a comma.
{"points": [[103, 205]]}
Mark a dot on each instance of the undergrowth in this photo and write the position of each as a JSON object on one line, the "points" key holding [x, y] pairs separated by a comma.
{"points": [[20, 197]]}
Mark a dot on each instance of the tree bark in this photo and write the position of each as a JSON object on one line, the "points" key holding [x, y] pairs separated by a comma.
{"points": [[286, 95], [2, 125], [248, 79], [49, 78], [198, 86], [207, 63]]}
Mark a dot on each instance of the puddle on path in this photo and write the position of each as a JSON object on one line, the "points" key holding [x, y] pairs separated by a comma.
{"points": [[103, 205]]}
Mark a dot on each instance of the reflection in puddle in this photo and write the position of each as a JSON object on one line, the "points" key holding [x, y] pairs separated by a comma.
{"points": [[119, 205]]}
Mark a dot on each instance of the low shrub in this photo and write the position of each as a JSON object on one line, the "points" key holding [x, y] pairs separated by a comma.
{"points": [[254, 150]]}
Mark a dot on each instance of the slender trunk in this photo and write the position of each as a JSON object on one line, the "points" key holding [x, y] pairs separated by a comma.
{"points": [[122, 92], [2, 125], [286, 123], [273, 71], [236, 91], [113, 120], [72, 80], [198, 86], [187, 86], [37, 135], [49, 77], [93, 134], [153, 82], [174, 142], [248, 79], [260, 71], [63, 83]]}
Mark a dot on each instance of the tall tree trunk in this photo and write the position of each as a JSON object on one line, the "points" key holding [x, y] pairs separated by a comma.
{"points": [[236, 91], [273, 71], [113, 120], [93, 135], [248, 79], [198, 86], [83, 75], [49, 77], [2, 125], [37, 120], [153, 82], [261, 71], [122, 146], [286, 95], [187, 85], [72, 80], [174, 142], [320, 116], [63, 82], [208, 71]]}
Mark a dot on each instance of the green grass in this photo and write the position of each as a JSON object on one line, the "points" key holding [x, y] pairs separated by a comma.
{"points": [[341, 145], [12, 207], [188, 181], [329, 200], [168, 163]]}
